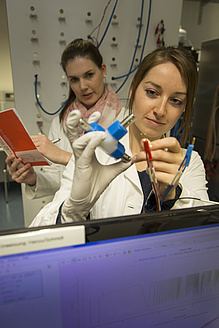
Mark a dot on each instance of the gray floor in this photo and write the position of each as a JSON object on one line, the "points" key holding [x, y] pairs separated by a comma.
{"points": [[11, 213]]}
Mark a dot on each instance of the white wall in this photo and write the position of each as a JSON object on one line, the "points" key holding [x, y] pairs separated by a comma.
{"points": [[48, 28], [209, 26]]}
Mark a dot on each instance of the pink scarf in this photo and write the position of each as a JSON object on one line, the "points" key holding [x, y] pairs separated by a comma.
{"points": [[105, 105]]}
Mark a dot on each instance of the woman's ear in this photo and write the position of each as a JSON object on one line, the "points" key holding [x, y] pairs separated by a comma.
{"points": [[103, 67], [130, 91]]}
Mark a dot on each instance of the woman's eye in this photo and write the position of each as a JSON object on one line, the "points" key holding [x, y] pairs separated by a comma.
{"points": [[89, 75], [177, 102], [151, 93], [73, 80]]}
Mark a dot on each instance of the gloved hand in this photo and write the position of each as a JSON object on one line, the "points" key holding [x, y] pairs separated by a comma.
{"points": [[72, 123], [90, 177]]}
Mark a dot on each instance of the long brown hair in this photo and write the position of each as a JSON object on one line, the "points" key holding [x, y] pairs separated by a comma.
{"points": [[78, 48], [186, 65]]}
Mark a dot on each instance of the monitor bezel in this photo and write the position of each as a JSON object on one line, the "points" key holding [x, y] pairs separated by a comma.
{"points": [[144, 223]]}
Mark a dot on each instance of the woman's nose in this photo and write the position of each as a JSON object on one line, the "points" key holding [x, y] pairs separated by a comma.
{"points": [[160, 109], [82, 84]]}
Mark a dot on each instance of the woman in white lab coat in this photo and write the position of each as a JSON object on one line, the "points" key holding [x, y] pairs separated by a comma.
{"points": [[85, 70], [162, 90]]}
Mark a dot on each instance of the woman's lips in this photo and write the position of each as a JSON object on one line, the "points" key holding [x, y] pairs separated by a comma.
{"points": [[154, 123], [88, 95]]}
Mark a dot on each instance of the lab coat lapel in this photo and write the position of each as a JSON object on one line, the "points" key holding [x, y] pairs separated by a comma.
{"points": [[131, 174]]}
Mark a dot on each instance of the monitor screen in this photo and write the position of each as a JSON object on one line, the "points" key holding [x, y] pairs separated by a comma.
{"points": [[168, 279]]}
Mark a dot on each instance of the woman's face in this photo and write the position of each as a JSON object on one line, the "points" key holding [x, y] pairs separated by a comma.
{"points": [[159, 100], [86, 80]]}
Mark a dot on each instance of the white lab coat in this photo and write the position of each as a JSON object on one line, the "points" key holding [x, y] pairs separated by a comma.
{"points": [[49, 177], [124, 195]]}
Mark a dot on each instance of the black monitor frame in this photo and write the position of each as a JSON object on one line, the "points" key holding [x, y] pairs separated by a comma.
{"points": [[131, 225]]}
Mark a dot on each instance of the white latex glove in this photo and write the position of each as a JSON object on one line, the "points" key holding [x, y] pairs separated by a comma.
{"points": [[72, 123], [94, 117], [90, 177]]}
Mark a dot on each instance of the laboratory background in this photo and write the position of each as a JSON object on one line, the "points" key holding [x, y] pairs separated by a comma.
{"points": [[33, 35]]}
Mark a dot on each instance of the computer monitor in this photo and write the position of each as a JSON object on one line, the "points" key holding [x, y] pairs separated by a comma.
{"points": [[168, 279]]}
